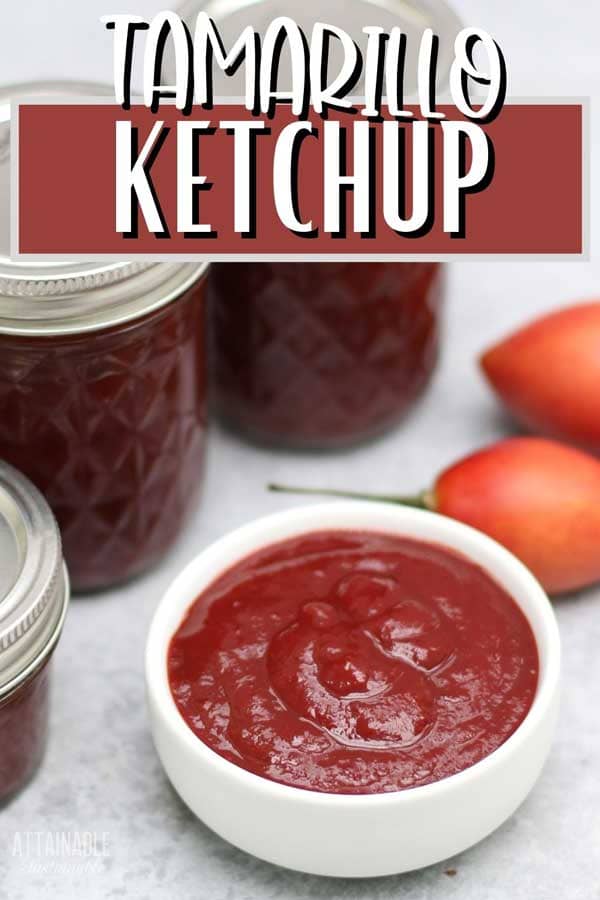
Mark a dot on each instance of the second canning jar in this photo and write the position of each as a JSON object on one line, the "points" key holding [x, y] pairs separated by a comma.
{"points": [[103, 396], [34, 594], [322, 354], [313, 354]]}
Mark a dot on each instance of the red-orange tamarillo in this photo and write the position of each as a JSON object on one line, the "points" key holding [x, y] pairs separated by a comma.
{"points": [[548, 374], [539, 498]]}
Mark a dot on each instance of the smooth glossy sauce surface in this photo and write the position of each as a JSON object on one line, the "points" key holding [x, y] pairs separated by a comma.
{"points": [[354, 662]]}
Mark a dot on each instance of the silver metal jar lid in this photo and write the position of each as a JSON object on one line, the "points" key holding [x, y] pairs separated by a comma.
{"points": [[46, 298], [411, 16], [34, 587]]}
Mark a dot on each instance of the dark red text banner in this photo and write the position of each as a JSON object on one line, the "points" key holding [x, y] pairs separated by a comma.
{"points": [[533, 203]]}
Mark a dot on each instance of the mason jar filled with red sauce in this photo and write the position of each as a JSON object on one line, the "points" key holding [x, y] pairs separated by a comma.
{"points": [[34, 594], [322, 354], [103, 395], [315, 354]]}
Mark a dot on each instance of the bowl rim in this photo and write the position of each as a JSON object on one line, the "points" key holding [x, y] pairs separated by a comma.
{"points": [[304, 519]]}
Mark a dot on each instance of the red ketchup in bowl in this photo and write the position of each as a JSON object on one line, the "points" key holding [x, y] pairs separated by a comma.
{"points": [[354, 663]]}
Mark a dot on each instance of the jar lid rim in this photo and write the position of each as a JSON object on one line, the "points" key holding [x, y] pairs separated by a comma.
{"points": [[415, 11], [110, 304]]}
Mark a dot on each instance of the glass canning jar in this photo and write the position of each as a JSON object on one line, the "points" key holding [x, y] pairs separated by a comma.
{"points": [[322, 354], [34, 594], [103, 394], [315, 354]]}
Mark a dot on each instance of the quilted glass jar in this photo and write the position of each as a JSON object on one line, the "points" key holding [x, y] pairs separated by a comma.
{"points": [[322, 354], [34, 594], [102, 398]]}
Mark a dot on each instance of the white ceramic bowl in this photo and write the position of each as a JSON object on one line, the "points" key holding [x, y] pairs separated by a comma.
{"points": [[350, 835]]}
